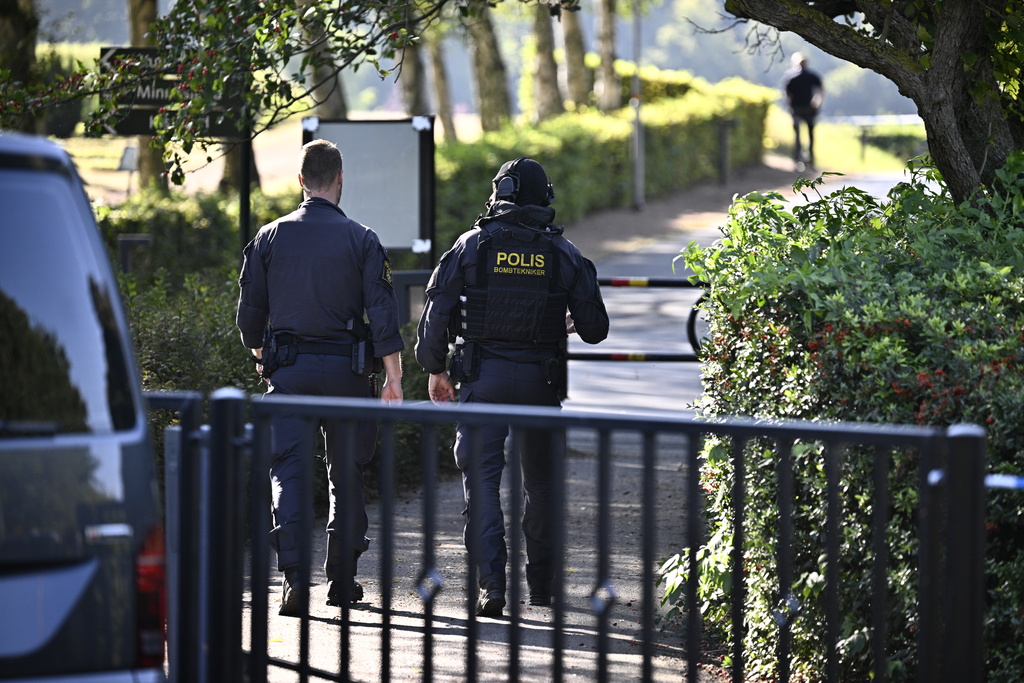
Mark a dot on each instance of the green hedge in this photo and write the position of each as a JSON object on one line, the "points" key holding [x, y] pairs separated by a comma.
{"points": [[190, 234], [909, 310], [587, 155]]}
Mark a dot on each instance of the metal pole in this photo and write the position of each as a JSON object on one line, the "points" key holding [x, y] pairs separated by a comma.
{"points": [[965, 575], [639, 180], [225, 545]]}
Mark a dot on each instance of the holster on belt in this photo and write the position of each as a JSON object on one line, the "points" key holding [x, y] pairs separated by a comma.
{"points": [[556, 373], [465, 362], [279, 350]]}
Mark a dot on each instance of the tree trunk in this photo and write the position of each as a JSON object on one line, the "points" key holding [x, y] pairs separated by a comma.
{"points": [[609, 91], [18, 26], [329, 94], [577, 75], [230, 179], [968, 140], [493, 102], [413, 81], [328, 91], [548, 94], [141, 15], [442, 91]]}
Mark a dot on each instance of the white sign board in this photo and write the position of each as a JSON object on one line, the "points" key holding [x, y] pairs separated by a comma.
{"points": [[389, 176]]}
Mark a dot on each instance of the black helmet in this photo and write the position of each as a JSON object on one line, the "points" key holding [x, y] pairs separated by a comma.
{"points": [[523, 182]]}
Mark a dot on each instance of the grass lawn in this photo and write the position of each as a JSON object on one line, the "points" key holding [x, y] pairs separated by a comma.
{"points": [[836, 147]]}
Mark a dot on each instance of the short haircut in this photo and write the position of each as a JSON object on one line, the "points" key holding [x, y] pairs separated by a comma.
{"points": [[319, 164]]}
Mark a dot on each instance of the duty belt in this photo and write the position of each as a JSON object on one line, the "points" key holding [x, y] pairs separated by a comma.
{"points": [[326, 348]]}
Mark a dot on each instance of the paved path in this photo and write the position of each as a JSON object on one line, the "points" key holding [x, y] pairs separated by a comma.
{"points": [[652, 320]]}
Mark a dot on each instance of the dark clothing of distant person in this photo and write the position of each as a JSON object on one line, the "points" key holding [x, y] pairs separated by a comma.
{"points": [[804, 92]]}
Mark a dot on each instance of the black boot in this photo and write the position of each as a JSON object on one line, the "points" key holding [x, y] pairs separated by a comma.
{"points": [[491, 602], [292, 594], [336, 586], [539, 579], [335, 593]]}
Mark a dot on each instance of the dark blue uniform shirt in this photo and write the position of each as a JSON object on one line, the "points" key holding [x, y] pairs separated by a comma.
{"points": [[311, 272]]}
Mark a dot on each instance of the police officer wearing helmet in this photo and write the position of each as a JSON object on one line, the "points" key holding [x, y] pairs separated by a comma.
{"points": [[509, 292], [308, 282]]}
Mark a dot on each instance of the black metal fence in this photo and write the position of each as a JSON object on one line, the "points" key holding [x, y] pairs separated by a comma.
{"points": [[221, 555]]}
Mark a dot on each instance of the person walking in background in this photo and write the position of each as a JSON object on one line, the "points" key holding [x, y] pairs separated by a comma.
{"points": [[509, 291], [314, 276], [804, 92]]}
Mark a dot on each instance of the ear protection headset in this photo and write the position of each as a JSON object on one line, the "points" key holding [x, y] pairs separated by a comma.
{"points": [[506, 187]]}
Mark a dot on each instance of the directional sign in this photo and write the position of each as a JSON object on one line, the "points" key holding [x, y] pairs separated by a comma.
{"points": [[139, 106], [140, 121], [147, 57]]}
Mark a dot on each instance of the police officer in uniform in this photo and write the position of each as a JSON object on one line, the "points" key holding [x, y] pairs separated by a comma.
{"points": [[509, 292], [308, 282]]}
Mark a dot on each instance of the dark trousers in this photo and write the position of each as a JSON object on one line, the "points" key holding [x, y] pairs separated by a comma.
{"points": [[502, 381], [320, 375], [803, 116]]}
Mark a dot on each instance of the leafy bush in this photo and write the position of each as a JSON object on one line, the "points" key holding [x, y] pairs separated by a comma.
{"points": [[909, 310], [902, 141], [189, 233]]}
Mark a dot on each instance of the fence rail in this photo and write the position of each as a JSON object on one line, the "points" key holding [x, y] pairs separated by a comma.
{"points": [[209, 631]]}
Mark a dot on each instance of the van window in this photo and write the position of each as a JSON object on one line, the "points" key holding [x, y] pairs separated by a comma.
{"points": [[62, 359]]}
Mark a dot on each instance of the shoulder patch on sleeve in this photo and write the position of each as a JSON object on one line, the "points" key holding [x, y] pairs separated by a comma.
{"points": [[386, 274]]}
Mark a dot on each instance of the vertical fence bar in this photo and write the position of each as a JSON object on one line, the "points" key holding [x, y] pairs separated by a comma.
{"points": [[558, 557], [879, 579], [346, 541], [739, 582], [965, 607], [429, 581], [190, 502], [260, 554], [224, 533], [933, 458], [515, 473], [387, 544], [602, 591], [182, 476], [694, 510], [474, 486], [305, 535], [832, 513], [787, 609], [647, 551]]}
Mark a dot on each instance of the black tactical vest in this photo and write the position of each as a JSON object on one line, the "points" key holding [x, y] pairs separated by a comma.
{"points": [[515, 299]]}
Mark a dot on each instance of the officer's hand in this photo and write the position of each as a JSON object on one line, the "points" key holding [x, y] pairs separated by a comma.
{"points": [[570, 326], [441, 388], [391, 392]]}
